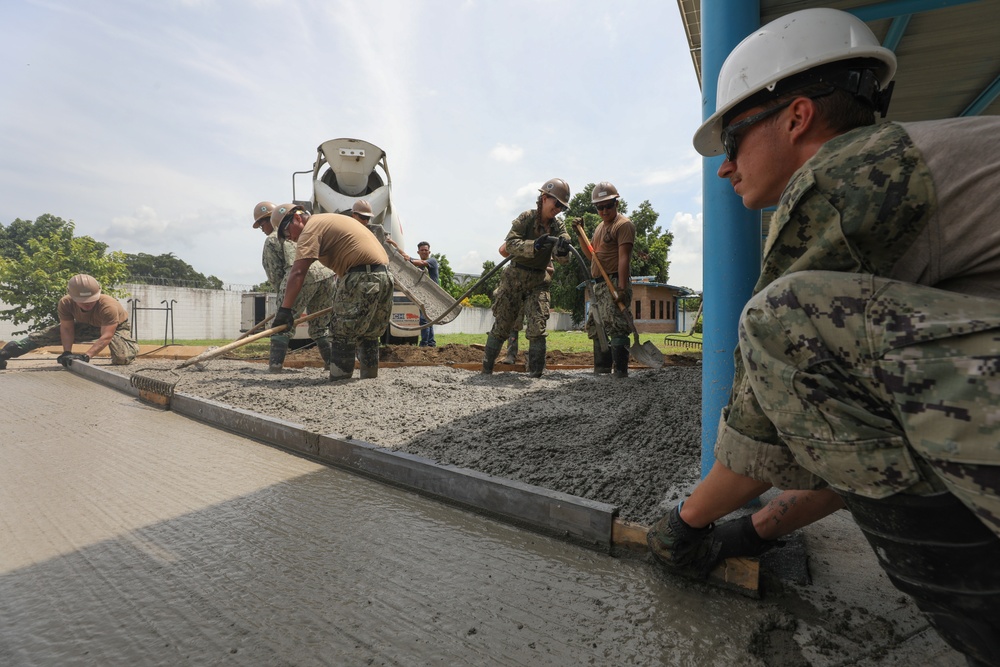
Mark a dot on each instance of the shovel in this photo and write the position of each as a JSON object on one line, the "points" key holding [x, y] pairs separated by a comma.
{"points": [[645, 353], [602, 337]]}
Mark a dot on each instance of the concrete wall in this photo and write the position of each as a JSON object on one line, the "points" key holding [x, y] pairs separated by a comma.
{"points": [[480, 321], [199, 314]]}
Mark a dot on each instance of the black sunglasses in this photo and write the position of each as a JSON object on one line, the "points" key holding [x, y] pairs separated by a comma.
{"points": [[604, 206], [559, 205], [731, 133]]}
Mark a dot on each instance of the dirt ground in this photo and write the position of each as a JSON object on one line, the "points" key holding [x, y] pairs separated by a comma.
{"points": [[632, 442]]}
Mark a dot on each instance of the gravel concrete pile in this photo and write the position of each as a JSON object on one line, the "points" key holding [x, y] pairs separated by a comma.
{"points": [[632, 442]]}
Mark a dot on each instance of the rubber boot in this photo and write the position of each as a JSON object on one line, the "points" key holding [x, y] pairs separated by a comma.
{"points": [[936, 550], [279, 348], [368, 359], [511, 357], [619, 357], [536, 357], [493, 345], [323, 345], [341, 360], [602, 359], [9, 351]]}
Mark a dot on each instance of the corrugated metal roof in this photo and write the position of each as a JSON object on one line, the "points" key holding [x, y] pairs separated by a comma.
{"points": [[949, 56]]}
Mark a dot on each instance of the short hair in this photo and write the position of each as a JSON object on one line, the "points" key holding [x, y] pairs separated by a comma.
{"points": [[839, 109], [422, 244]]}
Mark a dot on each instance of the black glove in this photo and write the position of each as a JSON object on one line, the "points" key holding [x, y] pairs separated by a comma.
{"points": [[562, 247], [66, 358], [283, 318], [543, 242]]}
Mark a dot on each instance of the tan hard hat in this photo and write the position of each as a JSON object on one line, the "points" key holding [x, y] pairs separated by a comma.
{"points": [[83, 288], [261, 212], [603, 191], [280, 213], [362, 207], [558, 188]]}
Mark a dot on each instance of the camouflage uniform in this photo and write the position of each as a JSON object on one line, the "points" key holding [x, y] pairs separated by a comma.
{"points": [[524, 286], [607, 239], [873, 385], [317, 288], [616, 326], [362, 306]]}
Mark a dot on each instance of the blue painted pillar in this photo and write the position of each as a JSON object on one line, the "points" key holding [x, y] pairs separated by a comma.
{"points": [[731, 232]]}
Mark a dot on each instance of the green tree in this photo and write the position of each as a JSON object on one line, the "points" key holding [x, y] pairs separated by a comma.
{"points": [[34, 273], [264, 287], [446, 276], [16, 235], [488, 286], [166, 269]]}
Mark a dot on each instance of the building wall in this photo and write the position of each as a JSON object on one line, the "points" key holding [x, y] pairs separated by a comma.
{"points": [[200, 314], [654, 308]]}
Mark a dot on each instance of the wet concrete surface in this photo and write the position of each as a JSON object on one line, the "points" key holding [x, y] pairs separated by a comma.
{"points": [[136, 536]]}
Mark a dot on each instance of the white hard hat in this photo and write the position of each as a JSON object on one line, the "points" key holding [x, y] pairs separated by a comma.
{"points": [[790, 45]]}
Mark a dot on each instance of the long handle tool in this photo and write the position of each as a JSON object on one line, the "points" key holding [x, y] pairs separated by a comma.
{"points": [[645, 353]]}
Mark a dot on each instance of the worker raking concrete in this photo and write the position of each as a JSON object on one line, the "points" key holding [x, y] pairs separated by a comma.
{"points": [[316, 294], [362, 301]]}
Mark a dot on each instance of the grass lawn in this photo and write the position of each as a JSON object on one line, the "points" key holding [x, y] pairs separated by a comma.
{"points": [[565, 341]]}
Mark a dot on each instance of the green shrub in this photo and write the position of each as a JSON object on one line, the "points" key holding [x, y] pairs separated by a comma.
{"points": [[480, 301]]}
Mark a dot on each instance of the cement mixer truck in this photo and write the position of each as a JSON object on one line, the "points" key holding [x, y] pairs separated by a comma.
{"points": [[347, 170]]}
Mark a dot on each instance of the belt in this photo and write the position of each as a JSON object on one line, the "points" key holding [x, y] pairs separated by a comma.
{"points": [[367, 268], [527, 268]]}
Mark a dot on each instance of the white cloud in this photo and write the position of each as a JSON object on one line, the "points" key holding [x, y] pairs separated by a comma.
{"points": [[160, 129], [505, 153], [686, 254], [678, 173]]}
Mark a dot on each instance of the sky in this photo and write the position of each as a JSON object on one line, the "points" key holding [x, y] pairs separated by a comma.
{"points": [[156, 125]]}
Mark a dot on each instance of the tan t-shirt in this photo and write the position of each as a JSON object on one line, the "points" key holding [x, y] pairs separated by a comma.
{"points": [[339, 243], [606, 240], [106, 311], [959, 250]]}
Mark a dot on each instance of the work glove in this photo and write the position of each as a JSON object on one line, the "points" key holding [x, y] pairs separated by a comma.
{"points": [[283, 318], [682, 549], [562, 247], [543, 242], [66, 358]]}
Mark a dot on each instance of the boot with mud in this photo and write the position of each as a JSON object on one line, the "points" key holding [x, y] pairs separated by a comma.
{"points": [[368, 359], [279, 348], [602, 360], [536, 357], [323, 345], [9, 351], [341, 360], [619, 356], [493, 345], [511, 357]]}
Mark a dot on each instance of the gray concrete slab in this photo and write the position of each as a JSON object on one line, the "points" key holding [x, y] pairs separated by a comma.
{"points": [[137, 536]]}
